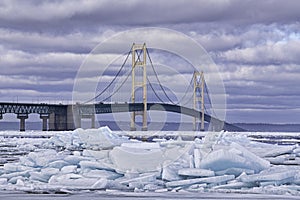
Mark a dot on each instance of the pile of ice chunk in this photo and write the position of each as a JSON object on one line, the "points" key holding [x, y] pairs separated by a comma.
{"points": [[219, 162], [102, 138]]}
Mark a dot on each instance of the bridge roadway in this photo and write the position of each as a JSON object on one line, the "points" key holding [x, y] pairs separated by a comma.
{"points": [[63, 117]]}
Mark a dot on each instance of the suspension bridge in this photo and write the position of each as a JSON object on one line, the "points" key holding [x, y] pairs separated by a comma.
{"points": [[68, 117]]}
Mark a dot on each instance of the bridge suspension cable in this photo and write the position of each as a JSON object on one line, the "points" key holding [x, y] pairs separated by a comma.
{"points": [[155, 73], [117, 90], [209, 99], [150, 84], [186, 91], [117, 74], [121, 85], [162, 88]]}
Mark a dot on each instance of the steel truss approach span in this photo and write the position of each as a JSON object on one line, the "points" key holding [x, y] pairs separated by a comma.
{"points": [[27, 108]]}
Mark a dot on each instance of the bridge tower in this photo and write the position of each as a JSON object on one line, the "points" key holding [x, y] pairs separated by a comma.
{"points": [[139, 54], [199, 98]]}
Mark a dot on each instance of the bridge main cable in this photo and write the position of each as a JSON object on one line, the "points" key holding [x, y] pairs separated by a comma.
{"points": [[118, 73], [158, 78], [120, 86]]}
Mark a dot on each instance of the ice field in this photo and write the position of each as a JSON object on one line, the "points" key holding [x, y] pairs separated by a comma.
{"points": [[102, 162]]}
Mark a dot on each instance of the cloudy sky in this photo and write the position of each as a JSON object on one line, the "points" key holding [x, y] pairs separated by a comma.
{"points": [[255, 44]]}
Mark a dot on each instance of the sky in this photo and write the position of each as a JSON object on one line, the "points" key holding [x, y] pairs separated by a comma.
{"points": [[255, 44]]}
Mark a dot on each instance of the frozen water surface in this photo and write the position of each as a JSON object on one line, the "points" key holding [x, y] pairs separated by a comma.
{"points": [[141, 196], [104, 164]]}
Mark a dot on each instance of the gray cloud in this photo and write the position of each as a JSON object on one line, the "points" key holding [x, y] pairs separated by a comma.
{"points": [[255, 44], [220, 39], [41, 42], [28, 15], [15, 61], [274, 53]]}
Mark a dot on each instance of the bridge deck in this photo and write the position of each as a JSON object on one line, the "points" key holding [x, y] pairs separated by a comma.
{"points": [[100, 108]]}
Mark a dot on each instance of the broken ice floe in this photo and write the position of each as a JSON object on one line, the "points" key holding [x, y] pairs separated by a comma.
{"points": [[102, 138], [100, 159]]}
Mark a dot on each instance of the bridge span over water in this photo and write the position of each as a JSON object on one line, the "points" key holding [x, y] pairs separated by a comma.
{"points": [[59, 117], [68, 117]]}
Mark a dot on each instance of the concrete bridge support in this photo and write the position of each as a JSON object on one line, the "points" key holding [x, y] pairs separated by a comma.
{"points": [[93, 122], [70, 118], [216, 125], [57, 122], [75, 116], [51, 122], [89, 116], [22, 118], [139, 56], [199, 84], [44, 118], [78, 121], [61, 119]]}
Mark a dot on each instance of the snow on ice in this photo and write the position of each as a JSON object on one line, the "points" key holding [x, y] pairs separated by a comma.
{"points": [[103, 160]]}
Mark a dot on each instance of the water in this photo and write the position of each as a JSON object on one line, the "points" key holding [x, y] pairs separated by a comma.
{"points": [[169, 126], [270, 127], [116, 126], [141, 196]]}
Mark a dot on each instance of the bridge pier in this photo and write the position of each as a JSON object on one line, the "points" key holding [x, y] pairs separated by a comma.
{"points": [[132, 123], [93, 122], [139, 56], [70, 118], [199, 84], [57, 122], [78, 121], [44, 118], [1, 116], [88, 116], [51, 122], [75, 115], [22, 118], [216, 125], [62, 119]]}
